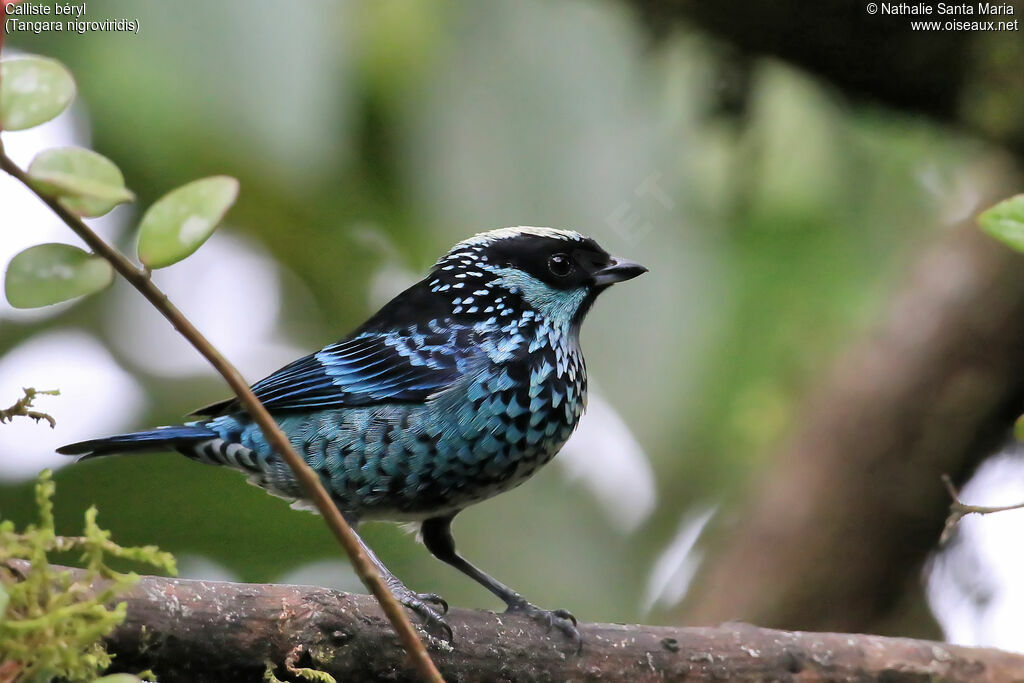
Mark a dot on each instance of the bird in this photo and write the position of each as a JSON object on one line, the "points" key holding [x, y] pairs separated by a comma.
{"points": [[458, 389]]}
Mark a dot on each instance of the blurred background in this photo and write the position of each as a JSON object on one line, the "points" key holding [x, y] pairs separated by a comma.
{"points": [[822, 332]]}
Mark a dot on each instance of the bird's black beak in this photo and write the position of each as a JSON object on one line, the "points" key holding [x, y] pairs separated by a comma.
{"points": [[617, 270]]}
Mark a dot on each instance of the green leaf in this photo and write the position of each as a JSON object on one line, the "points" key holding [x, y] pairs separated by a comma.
{"points": [[180, 221], [33, 90], [1005, 221], [50, 273], [87, 183]]}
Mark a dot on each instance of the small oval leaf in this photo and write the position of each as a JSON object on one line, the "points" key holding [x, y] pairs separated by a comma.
{"points": [[180, 221], [1005, 221], [87, 183], [50, 273], [33, 90]]}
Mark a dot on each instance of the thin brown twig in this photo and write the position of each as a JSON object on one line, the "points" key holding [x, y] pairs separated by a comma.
{"points": [[958, 509], [308, 479]]}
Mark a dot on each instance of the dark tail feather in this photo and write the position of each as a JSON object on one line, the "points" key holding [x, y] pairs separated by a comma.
{"points": [[162, 438]]}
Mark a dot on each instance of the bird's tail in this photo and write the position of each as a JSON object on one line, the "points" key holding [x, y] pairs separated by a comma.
{"points": [[159, 439]]}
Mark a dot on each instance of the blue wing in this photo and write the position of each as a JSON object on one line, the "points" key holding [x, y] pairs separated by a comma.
{"points": [[373, 367]]}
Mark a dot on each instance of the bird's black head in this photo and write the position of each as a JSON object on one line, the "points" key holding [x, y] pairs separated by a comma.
{"points": [[560, 259], [557, 273], [502, 273]]}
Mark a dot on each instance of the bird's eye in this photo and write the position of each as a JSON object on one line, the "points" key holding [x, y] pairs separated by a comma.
{"points": [[560, 265]]}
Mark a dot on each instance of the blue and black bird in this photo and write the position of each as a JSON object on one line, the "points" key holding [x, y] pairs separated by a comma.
{"points": [[458, 389]]}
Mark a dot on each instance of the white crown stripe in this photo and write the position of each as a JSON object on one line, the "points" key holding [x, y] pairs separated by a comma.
{"points": [[484, 238], [470, 252]]}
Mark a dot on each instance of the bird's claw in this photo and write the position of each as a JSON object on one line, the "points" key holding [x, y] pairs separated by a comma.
{"points": [[561, 619], [434, 599], [564, 615], [433, 620]]}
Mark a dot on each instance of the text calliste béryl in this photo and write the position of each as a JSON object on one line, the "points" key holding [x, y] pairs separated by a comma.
{"points": [[61, 10]]}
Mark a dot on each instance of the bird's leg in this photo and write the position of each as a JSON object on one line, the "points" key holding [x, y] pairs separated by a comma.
{"points": [[437, 536], [419, 603]]}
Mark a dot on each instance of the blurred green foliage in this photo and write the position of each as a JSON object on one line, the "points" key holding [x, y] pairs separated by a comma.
{"points": [[788, 218]]}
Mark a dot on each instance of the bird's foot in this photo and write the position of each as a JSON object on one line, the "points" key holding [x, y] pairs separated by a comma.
{"points": [[420, 604], [561, 619]]}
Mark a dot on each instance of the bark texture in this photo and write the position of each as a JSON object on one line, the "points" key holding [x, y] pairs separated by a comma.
{"points": [[199, 631]]}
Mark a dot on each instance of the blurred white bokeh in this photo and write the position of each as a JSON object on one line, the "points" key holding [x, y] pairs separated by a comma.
{"points": [[608, 461], [677, 564], [974, 586], [336, 574], [97, 397], [230, 289], [202, 568]]}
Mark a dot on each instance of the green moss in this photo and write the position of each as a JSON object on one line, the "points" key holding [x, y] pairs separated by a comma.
{"points": [[314, 675], [52, 622]]}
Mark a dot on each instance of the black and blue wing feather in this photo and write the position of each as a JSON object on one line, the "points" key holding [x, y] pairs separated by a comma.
{"points": [[368, 369], [365, 370]]}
